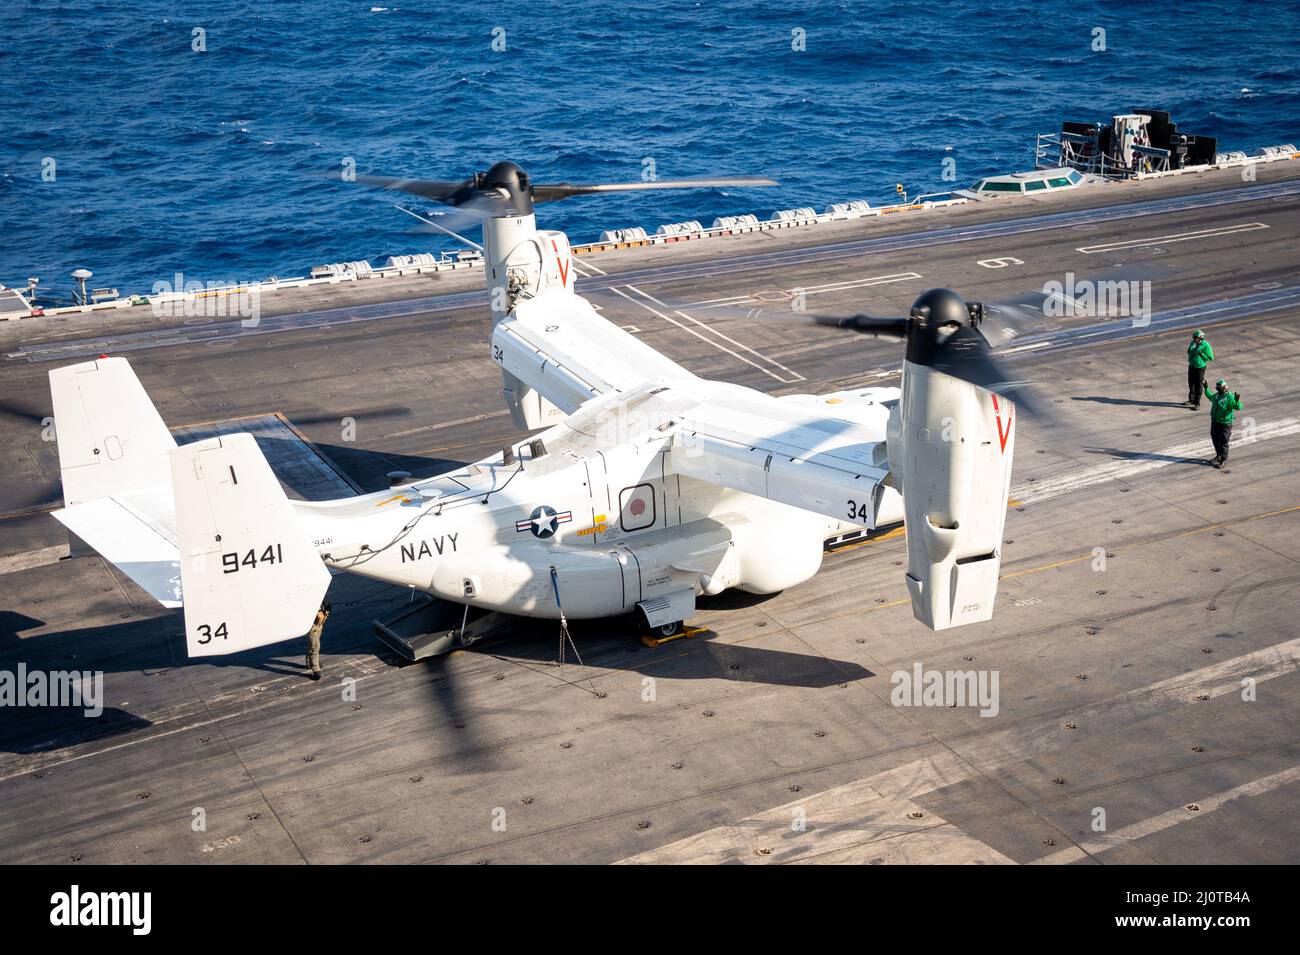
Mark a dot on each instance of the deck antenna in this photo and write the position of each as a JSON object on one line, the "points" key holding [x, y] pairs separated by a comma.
{"points": [[80, 275]]}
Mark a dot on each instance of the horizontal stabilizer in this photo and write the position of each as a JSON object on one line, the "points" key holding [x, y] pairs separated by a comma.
{"points": [[133, 532]]}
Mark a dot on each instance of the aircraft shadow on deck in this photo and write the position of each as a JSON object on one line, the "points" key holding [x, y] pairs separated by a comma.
{"points": [[1108, 400], [615, 644], [157, 644], [1123, 455], [369, 469], [134, 647], [35, 729]]}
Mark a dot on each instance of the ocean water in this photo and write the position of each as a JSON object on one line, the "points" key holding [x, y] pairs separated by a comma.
{"points": [[166, 159]]}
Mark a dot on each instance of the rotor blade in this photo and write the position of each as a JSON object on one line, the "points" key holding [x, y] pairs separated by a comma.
{"points": [[448, 219], [435, 189], [562, 190], [1013, 318], [966, 354], [895, 328], [1116, 292]]}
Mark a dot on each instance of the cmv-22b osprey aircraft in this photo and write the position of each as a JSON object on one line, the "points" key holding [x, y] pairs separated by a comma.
{"points": [[648, 487]]}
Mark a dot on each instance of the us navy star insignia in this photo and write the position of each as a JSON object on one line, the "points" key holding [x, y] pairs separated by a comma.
{"points": [[544, 521]]}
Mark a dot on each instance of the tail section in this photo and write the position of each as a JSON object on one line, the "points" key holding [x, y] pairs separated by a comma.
{"points": [[111, 438], [251, 575], [205, 523], [113, 449]]}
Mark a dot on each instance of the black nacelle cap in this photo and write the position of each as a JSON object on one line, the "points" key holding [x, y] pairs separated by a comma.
{"points": [[514, 181], [932, 311]]}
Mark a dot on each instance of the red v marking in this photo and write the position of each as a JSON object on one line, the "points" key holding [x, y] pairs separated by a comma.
{"points": [[564, 272], [1011, 412]]}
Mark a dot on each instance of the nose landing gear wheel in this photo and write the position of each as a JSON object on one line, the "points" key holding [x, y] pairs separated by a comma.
{"points": [[668, 629]]}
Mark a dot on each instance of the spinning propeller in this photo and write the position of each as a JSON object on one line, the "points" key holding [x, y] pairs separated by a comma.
{"points": [[942, 331], [506, 190]]}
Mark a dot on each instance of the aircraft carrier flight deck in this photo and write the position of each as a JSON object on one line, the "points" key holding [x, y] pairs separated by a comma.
{"points": [[1145, 633]]}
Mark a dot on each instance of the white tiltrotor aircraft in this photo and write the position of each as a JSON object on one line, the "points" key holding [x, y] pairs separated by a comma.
{"points": [[649, 487]]}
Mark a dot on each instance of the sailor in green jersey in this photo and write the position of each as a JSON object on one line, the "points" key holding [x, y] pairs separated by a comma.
{"points": [[1199, 354], [1223, 404]]}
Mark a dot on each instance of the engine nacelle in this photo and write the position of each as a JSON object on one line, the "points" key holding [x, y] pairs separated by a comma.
{"points": [[521, 263], [951, 447]]}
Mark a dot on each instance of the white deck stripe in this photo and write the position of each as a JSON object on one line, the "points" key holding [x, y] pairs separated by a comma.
{"points": [[749, 300], [709, 328], [1206, 805], [1169, 239], [853, 823], [848, 814], [687, 328], [1140, 463]]}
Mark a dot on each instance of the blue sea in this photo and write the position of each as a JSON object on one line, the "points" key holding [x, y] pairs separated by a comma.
{"points": [[169, 159]]}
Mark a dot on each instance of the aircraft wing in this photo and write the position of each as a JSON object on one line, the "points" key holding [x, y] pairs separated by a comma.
{"points": [[825, 455], [818, 454], [557, 344]]}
